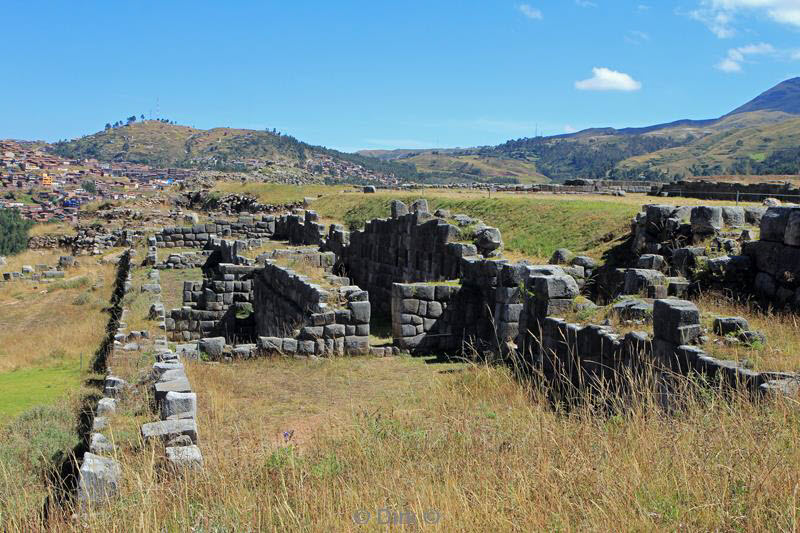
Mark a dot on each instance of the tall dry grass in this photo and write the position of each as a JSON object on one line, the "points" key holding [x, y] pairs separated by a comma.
{"points": [[470, 445], [56, 322], [781, 352]]}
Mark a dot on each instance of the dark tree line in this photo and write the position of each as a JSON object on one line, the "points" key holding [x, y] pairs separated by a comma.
{"points": [[13, 232]]}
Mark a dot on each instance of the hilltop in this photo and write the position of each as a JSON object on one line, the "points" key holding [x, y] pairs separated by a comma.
{"points": [[162, 144]]}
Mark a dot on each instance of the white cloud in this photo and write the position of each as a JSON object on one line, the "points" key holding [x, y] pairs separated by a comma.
{"points": [[605, 79], [794, 55], [736, 56], [636, 37], [643, 7], [585, 3], [530, 12], [719, 15], [568, 128]]}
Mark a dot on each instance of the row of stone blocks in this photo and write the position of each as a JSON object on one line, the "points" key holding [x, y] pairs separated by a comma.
{"points": [[175, 401], [99, 475]]}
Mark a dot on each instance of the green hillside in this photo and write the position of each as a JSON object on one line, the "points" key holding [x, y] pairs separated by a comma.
{"points": [[748, 143], [475, 167]]}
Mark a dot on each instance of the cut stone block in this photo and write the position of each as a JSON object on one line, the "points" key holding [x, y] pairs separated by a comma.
{"points": [[99, 479], [167, 429]]}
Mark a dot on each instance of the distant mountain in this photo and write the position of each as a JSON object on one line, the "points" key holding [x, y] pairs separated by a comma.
{"points": [[784, 97], [760, 137]]}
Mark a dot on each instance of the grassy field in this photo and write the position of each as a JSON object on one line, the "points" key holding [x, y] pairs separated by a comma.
{"points": [[298, 445], [49, 331], [533, 225]]}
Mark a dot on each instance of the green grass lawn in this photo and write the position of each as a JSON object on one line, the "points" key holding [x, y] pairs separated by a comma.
{"points": [[21, 390], [531, 226]]}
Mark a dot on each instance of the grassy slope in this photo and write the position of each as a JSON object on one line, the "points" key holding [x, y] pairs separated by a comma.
{"points": [[720, 146], [533, 226], [462, 167]]}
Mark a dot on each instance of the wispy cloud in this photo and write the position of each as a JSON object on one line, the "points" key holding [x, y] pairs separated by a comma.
{"points": [[605, 79], [636, 37], [732, 63], [720, 15], [643, 7], [530, 11], [568, 128], [585, 3]]}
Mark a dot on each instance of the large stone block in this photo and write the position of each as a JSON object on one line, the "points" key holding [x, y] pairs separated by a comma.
{"points": [[791, 235], [706, 219], [773, 224], [638, 280], [212, 346], [176, 385], [168, 429], [733, 216], [676, 321], [182, 457], [99, 479], [554, 287], [179, 405]]}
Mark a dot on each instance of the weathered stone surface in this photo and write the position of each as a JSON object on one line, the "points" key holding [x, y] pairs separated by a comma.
{"points": [[638, 280], [651, 262], [488, 240], [167, 429], [791, 235], [177, 385], [555, 287], [773, 224], [181, 457], [360, 312], [633, 309], [733, 216], [114, 386], [398, 208], [213, 346], [562, 256], [584, 261], [179, 405], [676, 321], [733, 324], [100, 445], [706, 219], [99, 479], [106, 406]]}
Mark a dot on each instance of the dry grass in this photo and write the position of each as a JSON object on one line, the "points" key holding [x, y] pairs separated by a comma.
{"points": [[780, 353], [472, 447], [57, 322]]}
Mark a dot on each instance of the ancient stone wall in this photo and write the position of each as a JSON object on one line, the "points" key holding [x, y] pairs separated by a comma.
{"points": [[409, 247], [196, 235], [294, 315], [714, 190], [776, 257]]}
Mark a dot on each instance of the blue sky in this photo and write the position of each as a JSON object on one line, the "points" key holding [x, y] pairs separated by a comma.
{"points": [[375, 75]]}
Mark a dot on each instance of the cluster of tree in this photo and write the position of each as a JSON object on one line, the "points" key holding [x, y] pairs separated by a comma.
{"points": [[131, 119], [643, 174], [89, 186], [595, 158], [13, 232], [783, 161]]}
